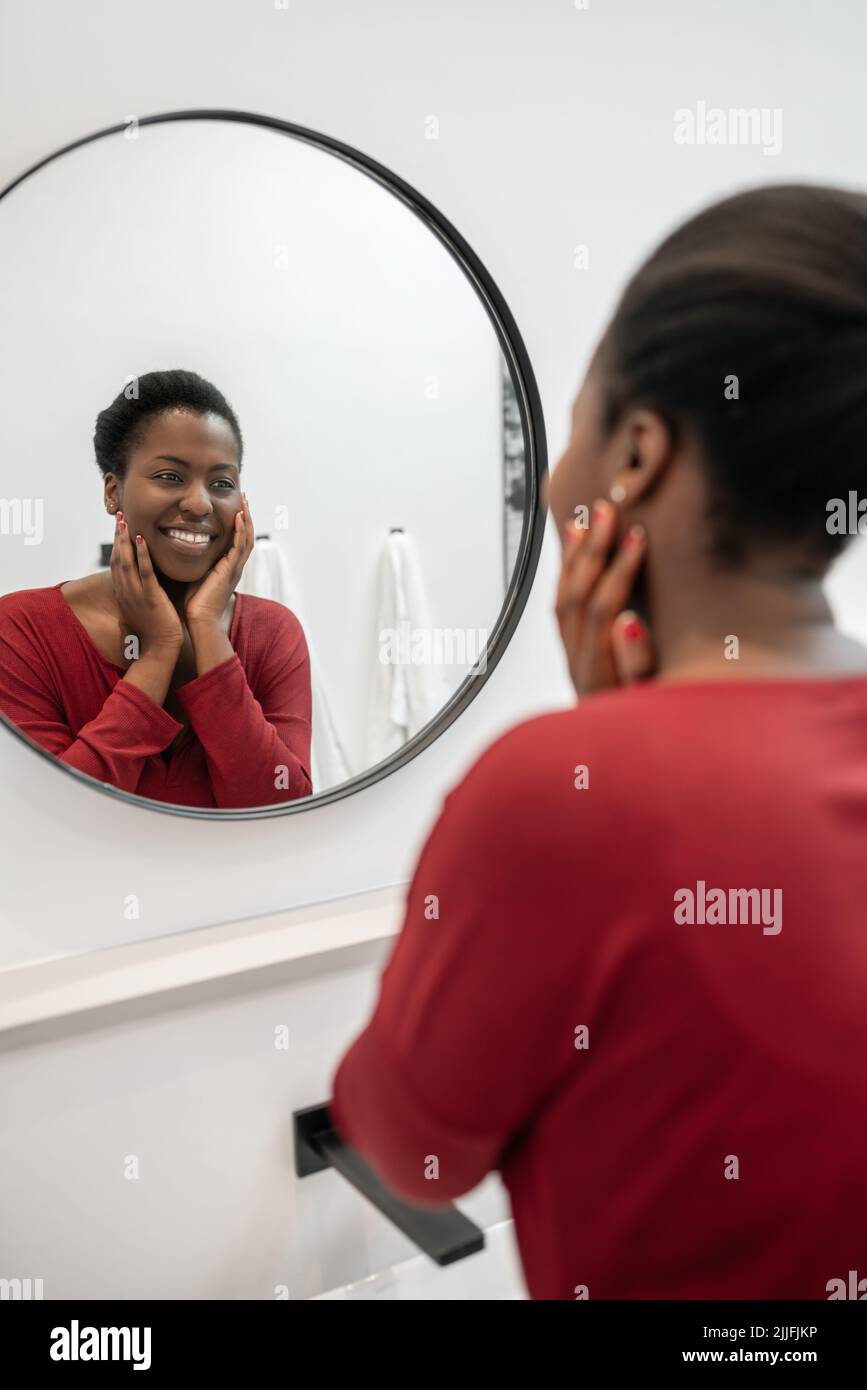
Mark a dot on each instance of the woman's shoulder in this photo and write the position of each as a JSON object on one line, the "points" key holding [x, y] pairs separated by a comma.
{"points": [[30, 620], [607, 741], [29, 601], [594, 718], [49, 601], [268, 627], [266, 618]]}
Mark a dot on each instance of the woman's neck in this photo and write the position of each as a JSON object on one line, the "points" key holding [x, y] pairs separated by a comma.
{"points": [[747, 626], [175, 588]]}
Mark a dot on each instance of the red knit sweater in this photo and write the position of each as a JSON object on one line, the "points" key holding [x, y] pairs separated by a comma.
{"points": [[678, 1107], [248, 741]]}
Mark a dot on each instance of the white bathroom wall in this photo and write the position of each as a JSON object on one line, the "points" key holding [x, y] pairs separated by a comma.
{"points": [[151, 1154]]}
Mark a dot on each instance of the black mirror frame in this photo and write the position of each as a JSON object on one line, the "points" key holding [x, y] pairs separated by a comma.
{"points": [[535, 468]]}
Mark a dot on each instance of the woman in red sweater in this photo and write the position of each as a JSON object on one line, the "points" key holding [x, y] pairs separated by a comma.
{"points": [[632, 975], [155, 676]]}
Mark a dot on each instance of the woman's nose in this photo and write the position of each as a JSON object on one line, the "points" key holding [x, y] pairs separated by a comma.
{"points": [[196, 504]]}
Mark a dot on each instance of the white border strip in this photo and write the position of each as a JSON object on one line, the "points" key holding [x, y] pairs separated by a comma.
{"points": [[73, 984]]}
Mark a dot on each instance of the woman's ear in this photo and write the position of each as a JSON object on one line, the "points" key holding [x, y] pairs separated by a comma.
{"points": [[111, 495], [643, 455]]}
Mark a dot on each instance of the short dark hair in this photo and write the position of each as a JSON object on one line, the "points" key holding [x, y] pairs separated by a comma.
{"points": [[770, 286], [122, 424]]}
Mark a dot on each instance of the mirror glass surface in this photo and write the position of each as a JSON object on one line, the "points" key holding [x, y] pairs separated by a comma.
{"points": [[382, 458]]}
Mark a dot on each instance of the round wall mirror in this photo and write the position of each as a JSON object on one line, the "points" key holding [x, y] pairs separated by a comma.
{"points": [[272, 488]]}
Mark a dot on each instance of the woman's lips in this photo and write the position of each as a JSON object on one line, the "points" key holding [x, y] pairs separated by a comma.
{"points": [[187, 547]]}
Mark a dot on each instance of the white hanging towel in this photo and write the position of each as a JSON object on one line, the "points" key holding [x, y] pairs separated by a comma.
{"points": [[268, 574], [405, 695]]}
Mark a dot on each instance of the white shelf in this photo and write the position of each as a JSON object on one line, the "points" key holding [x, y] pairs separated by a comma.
{"points": [[67, 985]]}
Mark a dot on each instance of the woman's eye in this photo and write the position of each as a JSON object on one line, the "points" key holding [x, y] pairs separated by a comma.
{"points": [[225, 484]]}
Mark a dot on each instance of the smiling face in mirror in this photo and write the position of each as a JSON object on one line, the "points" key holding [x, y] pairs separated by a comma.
{"points": [[179, 485], [256, 648]]}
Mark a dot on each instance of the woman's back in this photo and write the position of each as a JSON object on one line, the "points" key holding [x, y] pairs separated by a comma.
{"points": [[726, 978], [706, 1136]]}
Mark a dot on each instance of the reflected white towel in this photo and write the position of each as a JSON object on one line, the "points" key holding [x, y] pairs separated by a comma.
{"points": [[405, 695], [268, 574]]}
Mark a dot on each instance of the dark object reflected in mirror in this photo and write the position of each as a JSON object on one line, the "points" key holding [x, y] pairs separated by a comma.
{"points": [[339, 522]]}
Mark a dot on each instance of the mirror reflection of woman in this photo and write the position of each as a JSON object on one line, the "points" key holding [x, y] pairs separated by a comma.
{"points": [[155, 676]]}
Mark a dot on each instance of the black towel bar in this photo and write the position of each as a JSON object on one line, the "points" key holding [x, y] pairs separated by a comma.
{"points": [[444, 1234]]}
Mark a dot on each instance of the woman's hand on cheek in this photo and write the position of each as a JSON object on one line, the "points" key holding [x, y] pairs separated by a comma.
{"points": [[206, 601], [606, 645]]}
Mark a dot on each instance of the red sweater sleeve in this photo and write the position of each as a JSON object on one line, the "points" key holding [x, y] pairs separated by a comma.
{"points": [[112, 747], [473, 1023], [258, 750]]}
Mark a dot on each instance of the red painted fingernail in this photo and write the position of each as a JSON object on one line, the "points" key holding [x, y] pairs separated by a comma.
{"points": [[138, 540], [633, 630], [120, 516], [633, 536]]}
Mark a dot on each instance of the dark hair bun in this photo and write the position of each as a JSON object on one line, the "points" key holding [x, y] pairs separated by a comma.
{"points": [[748, 326], [121, 425]]}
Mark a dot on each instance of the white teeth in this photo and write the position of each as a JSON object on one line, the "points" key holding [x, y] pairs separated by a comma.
{"points": [[188, 536]]}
